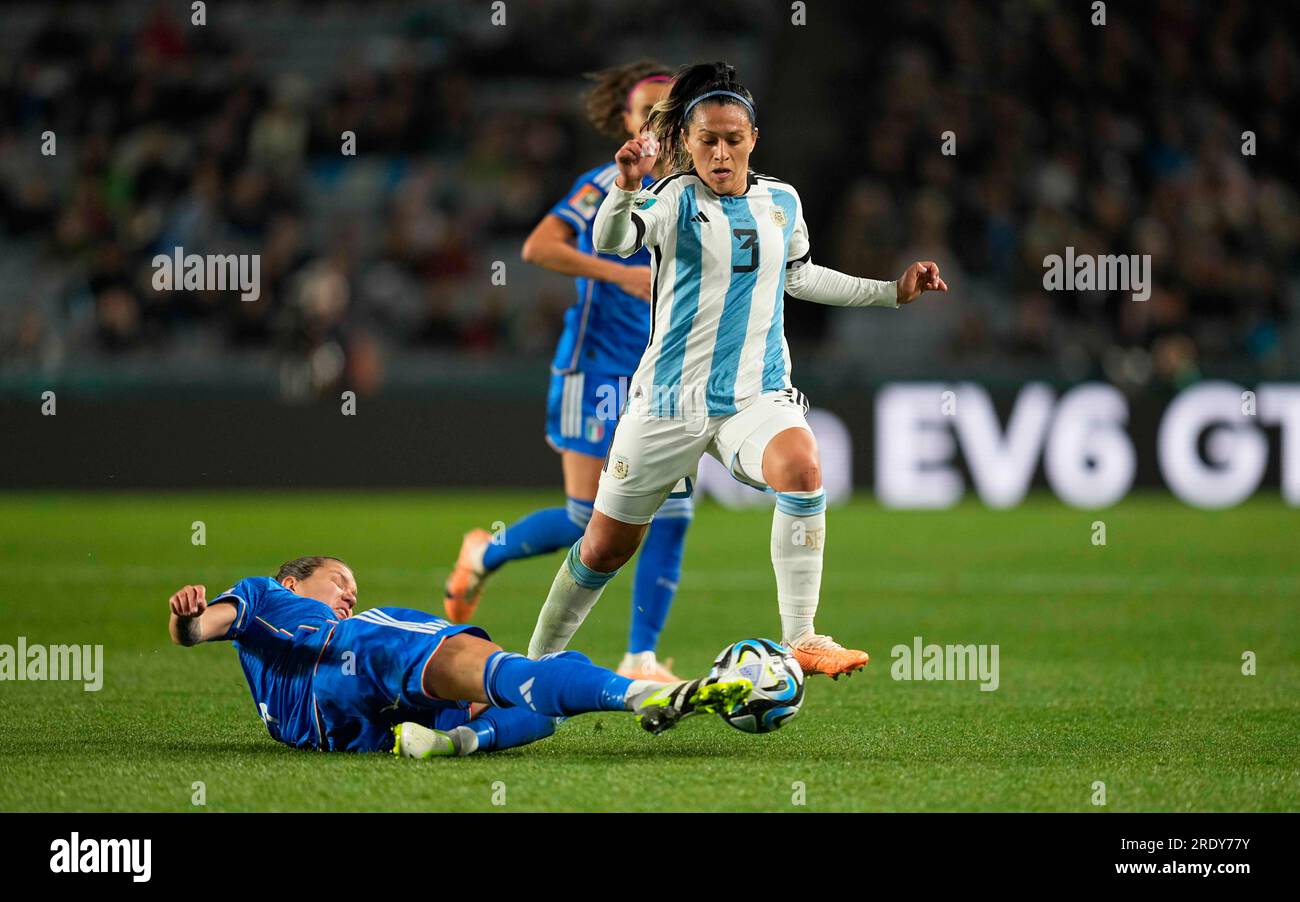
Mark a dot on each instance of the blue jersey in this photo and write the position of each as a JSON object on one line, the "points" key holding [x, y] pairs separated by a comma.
{"points": [[322, 683], [279, 637], [607, 329]]}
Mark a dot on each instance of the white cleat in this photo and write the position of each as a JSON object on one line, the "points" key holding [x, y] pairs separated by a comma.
{"points": [[413, 740]]}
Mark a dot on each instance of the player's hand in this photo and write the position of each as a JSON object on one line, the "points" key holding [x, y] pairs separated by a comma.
{"points": [[919, 277], [634, 163], [635, 280], [189, 601]]}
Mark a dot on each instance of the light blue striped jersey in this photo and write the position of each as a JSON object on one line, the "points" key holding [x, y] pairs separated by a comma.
{"points": [[718, 327]]}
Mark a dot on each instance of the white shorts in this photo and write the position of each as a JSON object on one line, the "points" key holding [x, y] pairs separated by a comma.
{"points": [[652, 458]]}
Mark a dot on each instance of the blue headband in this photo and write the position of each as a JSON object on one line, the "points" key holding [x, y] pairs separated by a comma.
{"points": [[749, 106]]}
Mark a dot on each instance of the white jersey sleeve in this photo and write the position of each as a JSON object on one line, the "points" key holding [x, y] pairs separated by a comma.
{"points": [[630, 220], [809, 282], [822, 285], [612, 231]]}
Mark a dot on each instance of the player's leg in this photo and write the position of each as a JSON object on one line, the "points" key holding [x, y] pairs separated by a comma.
{"points": [[647, 459], [658, 571], [769, 444], [590, 564], [565, 684], [494, 729], [572, 402], [550, 528], [468, 668]]}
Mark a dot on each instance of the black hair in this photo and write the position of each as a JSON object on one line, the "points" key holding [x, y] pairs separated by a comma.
{"points": [[668, 118]]}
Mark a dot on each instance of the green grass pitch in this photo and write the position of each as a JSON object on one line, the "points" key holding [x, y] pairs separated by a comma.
{"points": [[1120, 664]]}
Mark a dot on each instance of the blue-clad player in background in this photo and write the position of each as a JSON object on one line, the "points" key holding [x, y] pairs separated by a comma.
{"points": [[605, 333], [404, 680]]}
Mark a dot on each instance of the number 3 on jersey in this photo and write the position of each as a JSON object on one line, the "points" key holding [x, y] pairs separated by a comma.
{"points": [[747, 240]]}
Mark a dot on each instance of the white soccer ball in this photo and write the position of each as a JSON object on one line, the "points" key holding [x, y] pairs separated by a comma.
{"points": [[777, 679]]}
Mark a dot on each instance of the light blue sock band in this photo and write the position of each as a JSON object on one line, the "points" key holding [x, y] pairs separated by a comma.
{"points": [[801, 504]]}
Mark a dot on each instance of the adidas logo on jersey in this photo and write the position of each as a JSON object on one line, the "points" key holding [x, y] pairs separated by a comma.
{"points": [[699, 217]]}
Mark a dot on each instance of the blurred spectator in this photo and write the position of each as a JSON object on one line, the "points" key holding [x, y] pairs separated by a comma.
{"points": [[235, 138]]}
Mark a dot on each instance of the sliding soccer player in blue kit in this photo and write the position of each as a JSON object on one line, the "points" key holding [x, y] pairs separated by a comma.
{"points": [[402, 680]]}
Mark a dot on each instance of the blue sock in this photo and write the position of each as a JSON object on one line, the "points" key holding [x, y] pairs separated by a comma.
{"points": [[658, 571], [558, 685], [540, 532], [506, 728]]}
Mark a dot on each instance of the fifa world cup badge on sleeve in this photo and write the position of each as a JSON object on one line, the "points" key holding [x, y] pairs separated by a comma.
{"points": [[586, 200]]}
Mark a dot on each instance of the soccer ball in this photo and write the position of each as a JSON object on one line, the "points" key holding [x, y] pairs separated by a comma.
{"points": [[777, 679]]}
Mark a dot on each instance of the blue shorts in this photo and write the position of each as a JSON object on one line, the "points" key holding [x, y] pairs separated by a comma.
{"points": [[582, 410], [369, 678]]}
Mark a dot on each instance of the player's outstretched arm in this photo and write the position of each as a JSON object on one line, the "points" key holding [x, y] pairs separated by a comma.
{"points": [[822, 285], [193, 621]]}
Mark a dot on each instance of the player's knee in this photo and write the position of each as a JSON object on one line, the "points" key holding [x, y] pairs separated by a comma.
{"points": [[605, 553], [801, 473]]}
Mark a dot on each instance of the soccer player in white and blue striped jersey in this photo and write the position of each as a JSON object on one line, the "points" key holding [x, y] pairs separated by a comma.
{"points": [[727, 245], [605, 333]]}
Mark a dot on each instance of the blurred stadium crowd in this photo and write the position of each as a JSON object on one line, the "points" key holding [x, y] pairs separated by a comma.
{"points": [[227, 138]]}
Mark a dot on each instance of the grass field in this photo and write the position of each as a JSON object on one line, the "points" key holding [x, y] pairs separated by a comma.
{"points": [[1120, 663]]}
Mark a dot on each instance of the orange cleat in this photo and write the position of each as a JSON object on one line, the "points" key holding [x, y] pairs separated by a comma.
{"points": [[465, 584], [644, 666], [822, 654]]}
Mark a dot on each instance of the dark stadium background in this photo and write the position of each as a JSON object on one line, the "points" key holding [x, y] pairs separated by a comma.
{"points": [[376, 269]]}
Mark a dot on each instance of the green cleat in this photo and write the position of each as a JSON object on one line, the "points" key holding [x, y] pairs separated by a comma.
{"points": [[413, 740], [661, 707]]}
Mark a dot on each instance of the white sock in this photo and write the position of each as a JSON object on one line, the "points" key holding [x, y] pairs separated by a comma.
{"points": [[573, 594], [464, 740], [635, 690], [798, 538]]}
